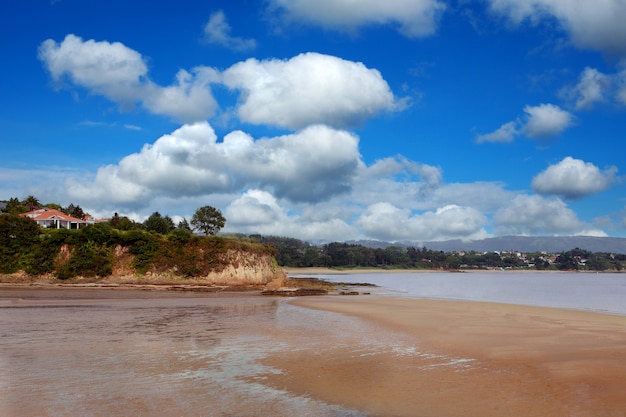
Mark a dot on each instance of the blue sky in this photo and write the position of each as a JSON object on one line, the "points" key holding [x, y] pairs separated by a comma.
{"points": [[406, 120]]}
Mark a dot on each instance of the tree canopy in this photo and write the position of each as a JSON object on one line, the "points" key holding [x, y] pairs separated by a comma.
{"points": [[158, 223], [208, 220]]}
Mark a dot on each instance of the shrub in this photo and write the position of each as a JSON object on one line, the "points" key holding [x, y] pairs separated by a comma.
{"points": [[144, 246], [40, 259], [17, 237], [89, 259]]}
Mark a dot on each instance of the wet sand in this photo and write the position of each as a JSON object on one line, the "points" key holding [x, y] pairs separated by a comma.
{"points": [[101, 352], [472, 359]]}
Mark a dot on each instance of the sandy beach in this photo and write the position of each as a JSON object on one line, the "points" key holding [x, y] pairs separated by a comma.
{"points": [[474, 359], [104, 352]]}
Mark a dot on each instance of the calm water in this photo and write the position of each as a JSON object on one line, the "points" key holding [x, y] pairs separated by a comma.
{"points": [[580, 291], [135, 354], [71, 353]]}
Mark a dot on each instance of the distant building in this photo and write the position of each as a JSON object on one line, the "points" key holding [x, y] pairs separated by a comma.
{"points": [[51, 218]]}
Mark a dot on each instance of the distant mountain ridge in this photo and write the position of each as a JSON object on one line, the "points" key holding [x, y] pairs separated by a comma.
{"points": [[516, 243]]}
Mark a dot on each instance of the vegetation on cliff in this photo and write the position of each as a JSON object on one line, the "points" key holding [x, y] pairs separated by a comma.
{"points": [[100, 250]]}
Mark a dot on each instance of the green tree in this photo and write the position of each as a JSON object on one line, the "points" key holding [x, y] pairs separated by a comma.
{"points": [[14, 206], [124, 223], [74, 211], [31, 203], [159, 224], [208, 220], [184, 225]]}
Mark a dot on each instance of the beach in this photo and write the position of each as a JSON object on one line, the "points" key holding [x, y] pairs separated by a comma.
{"points": [[100, 352], [471, 359]]}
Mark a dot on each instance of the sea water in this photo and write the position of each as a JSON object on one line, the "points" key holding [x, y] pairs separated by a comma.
{"points": [[136, 353], [68, 353], [600, 292]]}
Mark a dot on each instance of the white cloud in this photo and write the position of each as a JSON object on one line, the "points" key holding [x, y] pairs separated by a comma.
{"points": [[573, 178], [120, 74], [107, 189], [535, 215], [486, 197], [384, 221], [308, 89], [543, 121], [592, 232], [621, 87], [546, 120], [504, 134], [595, 24], [259, 211], [311, 185], [310, 165], [396, 180], [389, 200], [254, 207], [217, 32], [592, 87], [414, 18], [109, 69], [405, 169], [188, 100]]}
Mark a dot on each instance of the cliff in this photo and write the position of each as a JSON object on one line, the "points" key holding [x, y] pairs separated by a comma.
{"points": [[101, 254], [234, 267]]}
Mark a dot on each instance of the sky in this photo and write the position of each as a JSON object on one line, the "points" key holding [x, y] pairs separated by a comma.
{"points": [[322, 120]]}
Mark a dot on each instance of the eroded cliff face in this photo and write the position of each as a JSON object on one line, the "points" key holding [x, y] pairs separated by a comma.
{"points": [[233, 267], [243, 268]]}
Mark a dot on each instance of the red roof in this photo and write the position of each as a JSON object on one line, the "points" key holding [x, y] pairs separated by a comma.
{"points": [[50, 214]]}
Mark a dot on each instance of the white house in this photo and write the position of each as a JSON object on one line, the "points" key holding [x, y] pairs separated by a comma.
{"points": [[47, 217]]}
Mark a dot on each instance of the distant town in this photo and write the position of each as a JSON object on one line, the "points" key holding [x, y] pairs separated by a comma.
{"points": [[296, 253]]}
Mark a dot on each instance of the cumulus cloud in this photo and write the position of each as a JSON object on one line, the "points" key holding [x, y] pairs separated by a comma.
{"points": [[188, 100], [109, 69], [540, 122], [596, 25], [592, 87], [121, 75], [258, 211], [535, 215], [308, 89], [413, 18], [504, 134], [546, 120], [217, 32], [573, 178], [311, 165], [483, 196], [404, 169], [398, 180], [384, 221]]}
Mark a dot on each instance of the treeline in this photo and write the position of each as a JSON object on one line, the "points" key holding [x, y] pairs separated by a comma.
{"points": [[207, 219], [93, 250], [296, 253]]}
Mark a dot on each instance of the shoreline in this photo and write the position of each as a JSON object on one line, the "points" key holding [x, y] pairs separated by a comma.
{"points": [[333, 271], [385, 355], [504, 359]]}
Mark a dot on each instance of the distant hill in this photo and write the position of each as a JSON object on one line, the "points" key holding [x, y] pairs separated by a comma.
{"points": [[516, 243]]}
